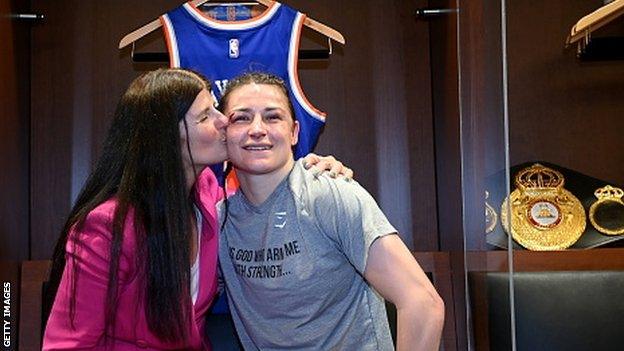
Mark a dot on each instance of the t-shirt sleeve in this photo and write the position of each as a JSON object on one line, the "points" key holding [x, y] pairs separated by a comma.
{"points": [[350, 217]]}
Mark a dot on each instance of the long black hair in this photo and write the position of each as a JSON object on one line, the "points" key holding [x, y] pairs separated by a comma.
{"points": [[141, 166]]}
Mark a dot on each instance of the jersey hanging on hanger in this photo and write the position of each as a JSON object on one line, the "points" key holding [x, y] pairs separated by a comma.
{"points": [[222, 50]]}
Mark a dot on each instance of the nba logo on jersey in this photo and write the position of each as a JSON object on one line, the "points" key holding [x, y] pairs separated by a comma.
{"points": [[233, 48]]}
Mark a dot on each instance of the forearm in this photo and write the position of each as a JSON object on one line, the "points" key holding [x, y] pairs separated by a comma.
{"points": [[419, 325], [394, 273]]}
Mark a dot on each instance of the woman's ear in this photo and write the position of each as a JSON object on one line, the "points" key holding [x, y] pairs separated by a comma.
{"points": [[295, 131]]}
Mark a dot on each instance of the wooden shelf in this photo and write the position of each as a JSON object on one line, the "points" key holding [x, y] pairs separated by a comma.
{"points": [[533, 261]]}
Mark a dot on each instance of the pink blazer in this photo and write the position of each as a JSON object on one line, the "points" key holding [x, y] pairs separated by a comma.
{"points": [[91, 256]]}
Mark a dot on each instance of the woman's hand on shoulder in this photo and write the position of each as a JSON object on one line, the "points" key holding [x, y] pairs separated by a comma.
{"points": [[320, 164]]}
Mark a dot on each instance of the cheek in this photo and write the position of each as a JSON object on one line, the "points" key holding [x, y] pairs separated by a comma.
{"points": [[207, 134], [286, 133], [233, 132]]}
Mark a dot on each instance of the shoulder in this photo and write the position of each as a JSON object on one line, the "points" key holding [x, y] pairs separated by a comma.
{"points": [[93, 239], [90, 242], [96, 230], [322, 189], [100, 218]]}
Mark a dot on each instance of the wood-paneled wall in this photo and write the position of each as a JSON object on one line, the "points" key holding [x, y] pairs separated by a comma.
{"points": [[561, 110], [14, 158], [14, 132]]}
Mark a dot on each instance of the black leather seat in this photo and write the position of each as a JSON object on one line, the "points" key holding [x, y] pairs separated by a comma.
{"points": [[565, 310]]}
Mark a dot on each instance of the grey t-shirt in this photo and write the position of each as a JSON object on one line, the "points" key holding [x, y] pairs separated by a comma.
{"points": [[293, 266]]}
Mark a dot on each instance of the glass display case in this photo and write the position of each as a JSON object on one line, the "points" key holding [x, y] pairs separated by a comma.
{"points": [[542, 210]]}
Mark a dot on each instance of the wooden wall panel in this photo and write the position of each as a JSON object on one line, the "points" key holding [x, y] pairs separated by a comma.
{"points": [[389, 111], [78, 77], [446, 102], [446, 125], [14, 149], [14, 133], [481, 137], [52, 89], [482, 122], [561, 110], [418, 96]]}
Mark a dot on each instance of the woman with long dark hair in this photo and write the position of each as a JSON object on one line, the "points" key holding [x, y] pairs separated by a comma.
{"points": [[135, 266]]}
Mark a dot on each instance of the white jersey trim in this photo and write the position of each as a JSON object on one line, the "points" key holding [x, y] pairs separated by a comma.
{"points": [[236, 25], [293, 72], [172, 42]]}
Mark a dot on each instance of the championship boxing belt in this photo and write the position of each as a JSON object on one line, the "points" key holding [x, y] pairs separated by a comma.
{"points": [[544, 215]]}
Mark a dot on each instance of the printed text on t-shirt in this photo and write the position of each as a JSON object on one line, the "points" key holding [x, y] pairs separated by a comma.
{"points": [[262, 263]]}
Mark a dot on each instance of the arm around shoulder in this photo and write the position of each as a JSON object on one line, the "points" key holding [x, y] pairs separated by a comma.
{"points": [[394, 273]]}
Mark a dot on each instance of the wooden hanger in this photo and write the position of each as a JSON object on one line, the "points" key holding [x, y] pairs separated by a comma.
{"points": [[586, 25], [155, 24]]}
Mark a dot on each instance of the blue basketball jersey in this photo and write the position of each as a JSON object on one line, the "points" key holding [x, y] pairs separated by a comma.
{"points": [[222, 50]]}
